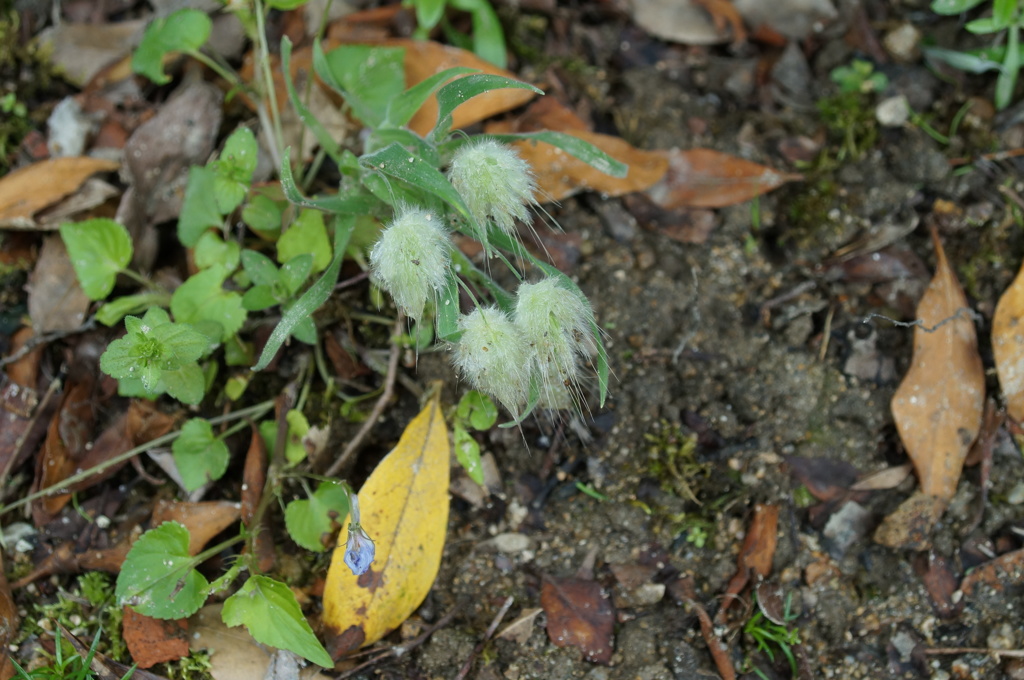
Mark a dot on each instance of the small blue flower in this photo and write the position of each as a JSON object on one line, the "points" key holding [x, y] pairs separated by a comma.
{"points": [[359, 550]]}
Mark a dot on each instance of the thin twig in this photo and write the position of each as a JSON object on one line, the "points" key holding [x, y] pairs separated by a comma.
{"points": [[37, 340], [389, 390], [466, 667]]}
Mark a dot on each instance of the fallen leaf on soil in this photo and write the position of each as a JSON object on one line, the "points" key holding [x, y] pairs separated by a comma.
{"points": [[580, 614], [8, 623], [683, 592], [723, 15], [203, 520], [560, 175], [910, 526], [825, 478], [152, 641], [102, 666], [755, 558], [1004, 573], [80, 51], [234, 654], [28, 190], [941, 580], [1008, 346], [704, 178], [254, 479], [17, 393], [683, 21], [519, 631], [938, 405], [56, 302], [66, 439], [888, 478], [404, 508]]}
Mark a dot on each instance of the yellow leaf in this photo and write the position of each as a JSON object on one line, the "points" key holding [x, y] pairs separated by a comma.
{"points": [[404, 508]]}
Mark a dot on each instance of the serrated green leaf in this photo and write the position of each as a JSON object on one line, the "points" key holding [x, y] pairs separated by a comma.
{"points": [[307, 235], [158, 577], [183, 31], [182, 344], [269, 610], [199, 210], [98, 250], [311, 522], [211, 249], [367, 76], [314, 296], [203, 299], [199, 455], [457, 92], [186, 384], [467, 452]]}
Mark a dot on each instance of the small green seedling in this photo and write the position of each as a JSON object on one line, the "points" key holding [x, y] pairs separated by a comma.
{"points": [[859, 76], [771, 637], [72, 667], [487, 41], [477, 412], [1005, 24]]}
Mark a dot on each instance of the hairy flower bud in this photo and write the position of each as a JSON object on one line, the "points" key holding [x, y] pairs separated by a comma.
{"points": [[493, 356], [411, 259], [557, 324], [494, 182]]}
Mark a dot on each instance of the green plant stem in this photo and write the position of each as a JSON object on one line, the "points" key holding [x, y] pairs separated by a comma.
{"points": [[268, 90], [61, 487], [143, 281], [217, 68]]}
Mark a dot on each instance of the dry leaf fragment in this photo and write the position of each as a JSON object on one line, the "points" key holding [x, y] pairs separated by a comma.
{"points": [[152, 641], [580, 614], [203, 520], [703, 178], [404, 509], [8, 623], [56, 301], [938, 405], [1008, 346], [28, 190], [519, 631], [756, 555]]}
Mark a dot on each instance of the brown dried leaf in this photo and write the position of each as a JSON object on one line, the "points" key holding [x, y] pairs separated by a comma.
{"points": [[1003, 573], [755, 558], [203, 520], [1008, 346], [938, 406], [254, 477], [65, 445], [28, 190], [827, 479], [911, 524], [942, 581], [55, 300], [703, 178], [519, 631], [889, 478], [152, 641], [560, 175], [580, 614]]}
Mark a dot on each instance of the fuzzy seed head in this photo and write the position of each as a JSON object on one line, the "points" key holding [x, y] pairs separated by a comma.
{"points": [[411, 258], [494, 182], [493, 356], [556, 322]]}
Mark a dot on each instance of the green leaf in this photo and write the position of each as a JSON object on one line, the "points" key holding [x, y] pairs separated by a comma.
{"points": [[455, 93], [259, 297], [183, 31], [429, 12], [574, 146], [395, 161], [306, 235], [368, 77], [311, 522], [186, 384], [269, 610], [295, 271], [1007, 80], [326, 140], [403, 107], [98, 250], [339, 204], [182, 344], [286, 5], [116, 309], [199, 210], [260, 268], [467, 452], [263, 214], [478, 410], [202, 299], [158, 577], [211, 249], [298, 428], [314, 296], [948, 7], [973, 61], [199, 455], [489, 36], [305, 331], [234, 170], [448, 310]]}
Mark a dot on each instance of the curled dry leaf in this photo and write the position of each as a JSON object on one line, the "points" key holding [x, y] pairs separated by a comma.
{"points": [[703, 178], [756, 555], [28, 190], [404, 509], [580, 614], [1008, 346], [938, 406]]}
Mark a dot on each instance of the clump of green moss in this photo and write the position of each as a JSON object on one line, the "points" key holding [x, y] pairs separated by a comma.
{"points": [[672, 460]]}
